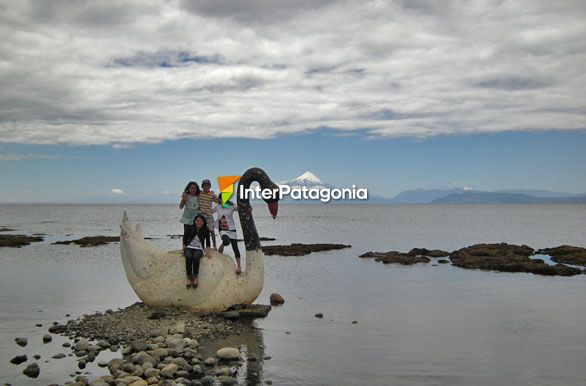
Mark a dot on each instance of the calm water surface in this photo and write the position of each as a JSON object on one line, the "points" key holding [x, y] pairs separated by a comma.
{"points": [[419, 325]]}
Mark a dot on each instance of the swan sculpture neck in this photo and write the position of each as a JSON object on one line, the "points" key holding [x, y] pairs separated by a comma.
{"points": [[251, 239]]}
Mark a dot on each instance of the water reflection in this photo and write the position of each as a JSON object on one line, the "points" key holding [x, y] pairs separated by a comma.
{"points": [[249, 341]]}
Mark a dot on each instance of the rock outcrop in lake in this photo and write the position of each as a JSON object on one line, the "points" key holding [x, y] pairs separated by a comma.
{"points": [[90, 241], [428, 252], [297, 249], [566, 254], [505, 257], [17, 241], [394, 257]]}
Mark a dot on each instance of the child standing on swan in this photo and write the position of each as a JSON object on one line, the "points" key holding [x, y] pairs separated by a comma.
{"points": [[206, 198], [190, 205], [227, 228]]}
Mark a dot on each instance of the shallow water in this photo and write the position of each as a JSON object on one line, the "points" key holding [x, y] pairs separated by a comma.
{"points": [[420, 325]]}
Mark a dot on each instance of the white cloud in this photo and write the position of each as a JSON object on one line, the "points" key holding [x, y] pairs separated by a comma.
{"points": [[150, 71], [117, 191]]}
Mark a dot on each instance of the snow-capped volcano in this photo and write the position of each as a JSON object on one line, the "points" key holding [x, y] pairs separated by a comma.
{"points": [[309, 180]]}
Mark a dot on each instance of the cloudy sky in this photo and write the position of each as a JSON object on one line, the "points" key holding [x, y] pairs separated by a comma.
{"points": [[83, 80]]}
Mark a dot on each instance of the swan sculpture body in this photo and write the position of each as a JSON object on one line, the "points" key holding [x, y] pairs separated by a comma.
{"points": [[157, 276]]}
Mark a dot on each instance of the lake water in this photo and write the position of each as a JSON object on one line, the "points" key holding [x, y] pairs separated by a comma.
{"points": [[417, 325]]}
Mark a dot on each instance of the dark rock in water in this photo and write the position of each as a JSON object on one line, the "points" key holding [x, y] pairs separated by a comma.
{"points": [[17, 241], [90, 241], [319, 315], [37, 356], [39, 324], [505, 257], [443, 261], [47, 338], [21, 341], [276, 299], [6, 229], [566, 254], [59, 356], [297, 249], [58, 329], [18, 359], [394, 257], [33, 370], [428, 252]]}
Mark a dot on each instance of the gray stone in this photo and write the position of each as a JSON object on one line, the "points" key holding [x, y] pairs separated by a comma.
{"points": [[180, 362], [175, 341], [138, 371], [157, 332], [169, 370], [103, 344], [208, 380], [143, 357], [82, 345], [226, 380], [197, 369], [139, 382], [210, 361], [33, 370], [47, 338], [178, 328], [21, 341], [228, 353], [103, 364], [59, 356], [150, 372], [139, 345]]}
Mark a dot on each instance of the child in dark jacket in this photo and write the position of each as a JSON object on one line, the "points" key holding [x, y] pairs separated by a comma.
{"points": [[196, 240]]}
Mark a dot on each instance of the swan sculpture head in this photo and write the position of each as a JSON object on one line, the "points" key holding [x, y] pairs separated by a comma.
{"points": [[157, 276]]}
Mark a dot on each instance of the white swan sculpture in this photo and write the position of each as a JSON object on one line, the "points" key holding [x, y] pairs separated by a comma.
{"points": [[158, 277]]}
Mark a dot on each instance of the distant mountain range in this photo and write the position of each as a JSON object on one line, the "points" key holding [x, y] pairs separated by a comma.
{"points": [[468, 196]]}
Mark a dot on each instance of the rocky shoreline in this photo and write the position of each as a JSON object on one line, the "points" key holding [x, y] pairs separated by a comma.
{"points": [[157, 347]]}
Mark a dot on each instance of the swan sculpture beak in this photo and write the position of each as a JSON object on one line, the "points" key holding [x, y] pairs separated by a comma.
{"points": [[273, 208]]}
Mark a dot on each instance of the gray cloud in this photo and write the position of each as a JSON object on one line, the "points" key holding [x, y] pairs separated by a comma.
{"points": [[149, 71]]}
